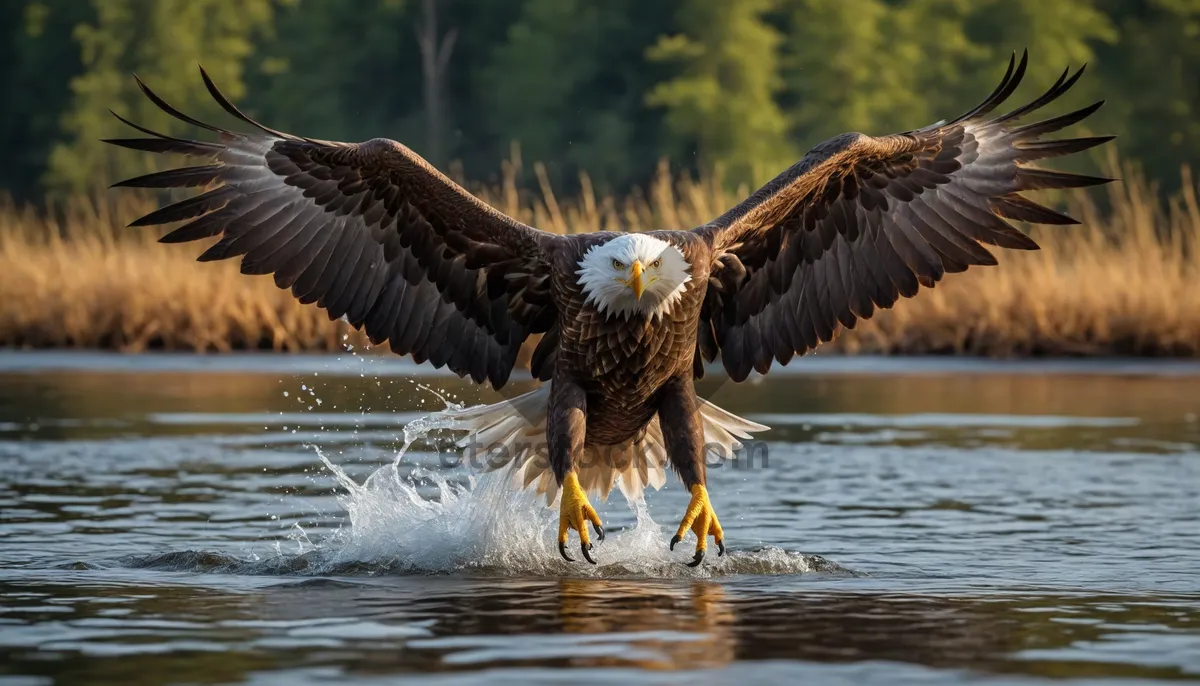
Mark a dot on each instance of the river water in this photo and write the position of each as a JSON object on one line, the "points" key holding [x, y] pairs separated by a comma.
{"points": [[245, 519]]}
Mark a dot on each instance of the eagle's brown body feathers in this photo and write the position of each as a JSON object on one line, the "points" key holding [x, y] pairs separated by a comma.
{"points": [[623, 363]]}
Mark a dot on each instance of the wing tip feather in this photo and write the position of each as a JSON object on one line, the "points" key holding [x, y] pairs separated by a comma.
{"points": [[171, 110], [1012, 78], [229, 107]]}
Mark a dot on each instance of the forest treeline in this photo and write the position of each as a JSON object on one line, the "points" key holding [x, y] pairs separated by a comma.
{"points": [[603, 86]]}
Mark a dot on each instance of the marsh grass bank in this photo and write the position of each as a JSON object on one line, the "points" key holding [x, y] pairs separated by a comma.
{"points": [[1126, 282]]}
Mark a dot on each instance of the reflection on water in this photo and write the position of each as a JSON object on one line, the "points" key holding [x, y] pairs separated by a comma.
{"points": [[922, 525], [372, 627]]}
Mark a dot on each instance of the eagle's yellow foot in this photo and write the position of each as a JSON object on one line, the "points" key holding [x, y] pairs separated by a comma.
{"points": [[574, 513], [702, 520]]}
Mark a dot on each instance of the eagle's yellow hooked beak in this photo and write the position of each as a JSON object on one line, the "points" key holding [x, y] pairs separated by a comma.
{"points": [[635, 279]]}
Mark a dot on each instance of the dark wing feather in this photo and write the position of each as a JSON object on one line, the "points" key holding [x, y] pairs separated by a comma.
{"points": [[369, 231], [861, 221]]}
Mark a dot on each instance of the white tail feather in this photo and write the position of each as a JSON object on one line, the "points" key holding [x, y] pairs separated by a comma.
{"points": [[512, 434]]}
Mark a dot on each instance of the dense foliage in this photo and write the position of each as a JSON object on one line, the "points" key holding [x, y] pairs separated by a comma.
{"points": [[606, 86]]}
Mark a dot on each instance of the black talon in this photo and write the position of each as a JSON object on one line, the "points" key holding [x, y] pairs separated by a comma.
{"points": [[675, 539], [562, 550], [599, 531], [586, 555], [720, 548], [697, 559]]}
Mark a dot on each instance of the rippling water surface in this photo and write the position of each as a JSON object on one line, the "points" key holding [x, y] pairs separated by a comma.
{"points": [[171, 519]]}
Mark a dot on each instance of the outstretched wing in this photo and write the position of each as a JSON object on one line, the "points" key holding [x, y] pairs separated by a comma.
{"points": [[369, 231], [861, 221]]}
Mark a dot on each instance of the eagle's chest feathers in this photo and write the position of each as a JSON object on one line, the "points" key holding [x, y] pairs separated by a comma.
{"points": [[629, 348]]}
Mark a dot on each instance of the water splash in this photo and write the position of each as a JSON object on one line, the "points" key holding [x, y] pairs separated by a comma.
{"points": [[396, 524], [408, 519]]}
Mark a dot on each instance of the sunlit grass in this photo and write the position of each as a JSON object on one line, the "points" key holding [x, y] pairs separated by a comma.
{"points": [[1127, 282]]}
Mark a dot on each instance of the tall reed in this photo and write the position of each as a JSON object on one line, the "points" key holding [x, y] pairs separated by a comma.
{"points": [[1125, 283]]}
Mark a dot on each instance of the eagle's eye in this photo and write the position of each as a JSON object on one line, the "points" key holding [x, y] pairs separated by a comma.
{"points": [[618, 264], [656, 263]]}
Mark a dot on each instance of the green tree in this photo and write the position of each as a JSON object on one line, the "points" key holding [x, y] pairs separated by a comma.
{"points": [[879, 67], [872, 65], [568, 83], [1059, 33], [1152, 81], [38, 58], [605, 86], [340, 70], [162, 41], [722, 100], [352, 70]]}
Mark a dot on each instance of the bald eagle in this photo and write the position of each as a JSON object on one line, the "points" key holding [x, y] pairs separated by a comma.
{"points": [[373, 233]]}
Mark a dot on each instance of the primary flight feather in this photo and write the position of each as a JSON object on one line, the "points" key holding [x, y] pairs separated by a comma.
{"points": [[373, 233]]}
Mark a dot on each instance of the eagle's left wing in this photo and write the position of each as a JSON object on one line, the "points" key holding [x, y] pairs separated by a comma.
{"points": [[861, 221], [368, 231]]}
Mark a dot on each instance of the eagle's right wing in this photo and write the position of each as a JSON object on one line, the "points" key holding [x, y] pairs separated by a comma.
{"points": [[861, 221], [368, 231]]}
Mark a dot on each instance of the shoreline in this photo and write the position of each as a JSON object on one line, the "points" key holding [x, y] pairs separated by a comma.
{"points": [[388, 365]]}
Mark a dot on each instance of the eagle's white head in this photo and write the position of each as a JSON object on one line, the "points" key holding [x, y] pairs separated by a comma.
{"points": [[634, 274]]}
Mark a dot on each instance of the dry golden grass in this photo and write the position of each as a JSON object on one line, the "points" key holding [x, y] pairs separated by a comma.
{"points": [[1125, 283], [84, 281]]}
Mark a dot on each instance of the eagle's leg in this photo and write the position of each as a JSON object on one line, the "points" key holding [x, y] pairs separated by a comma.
{"points": [[683, 433], [565, 434]]}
